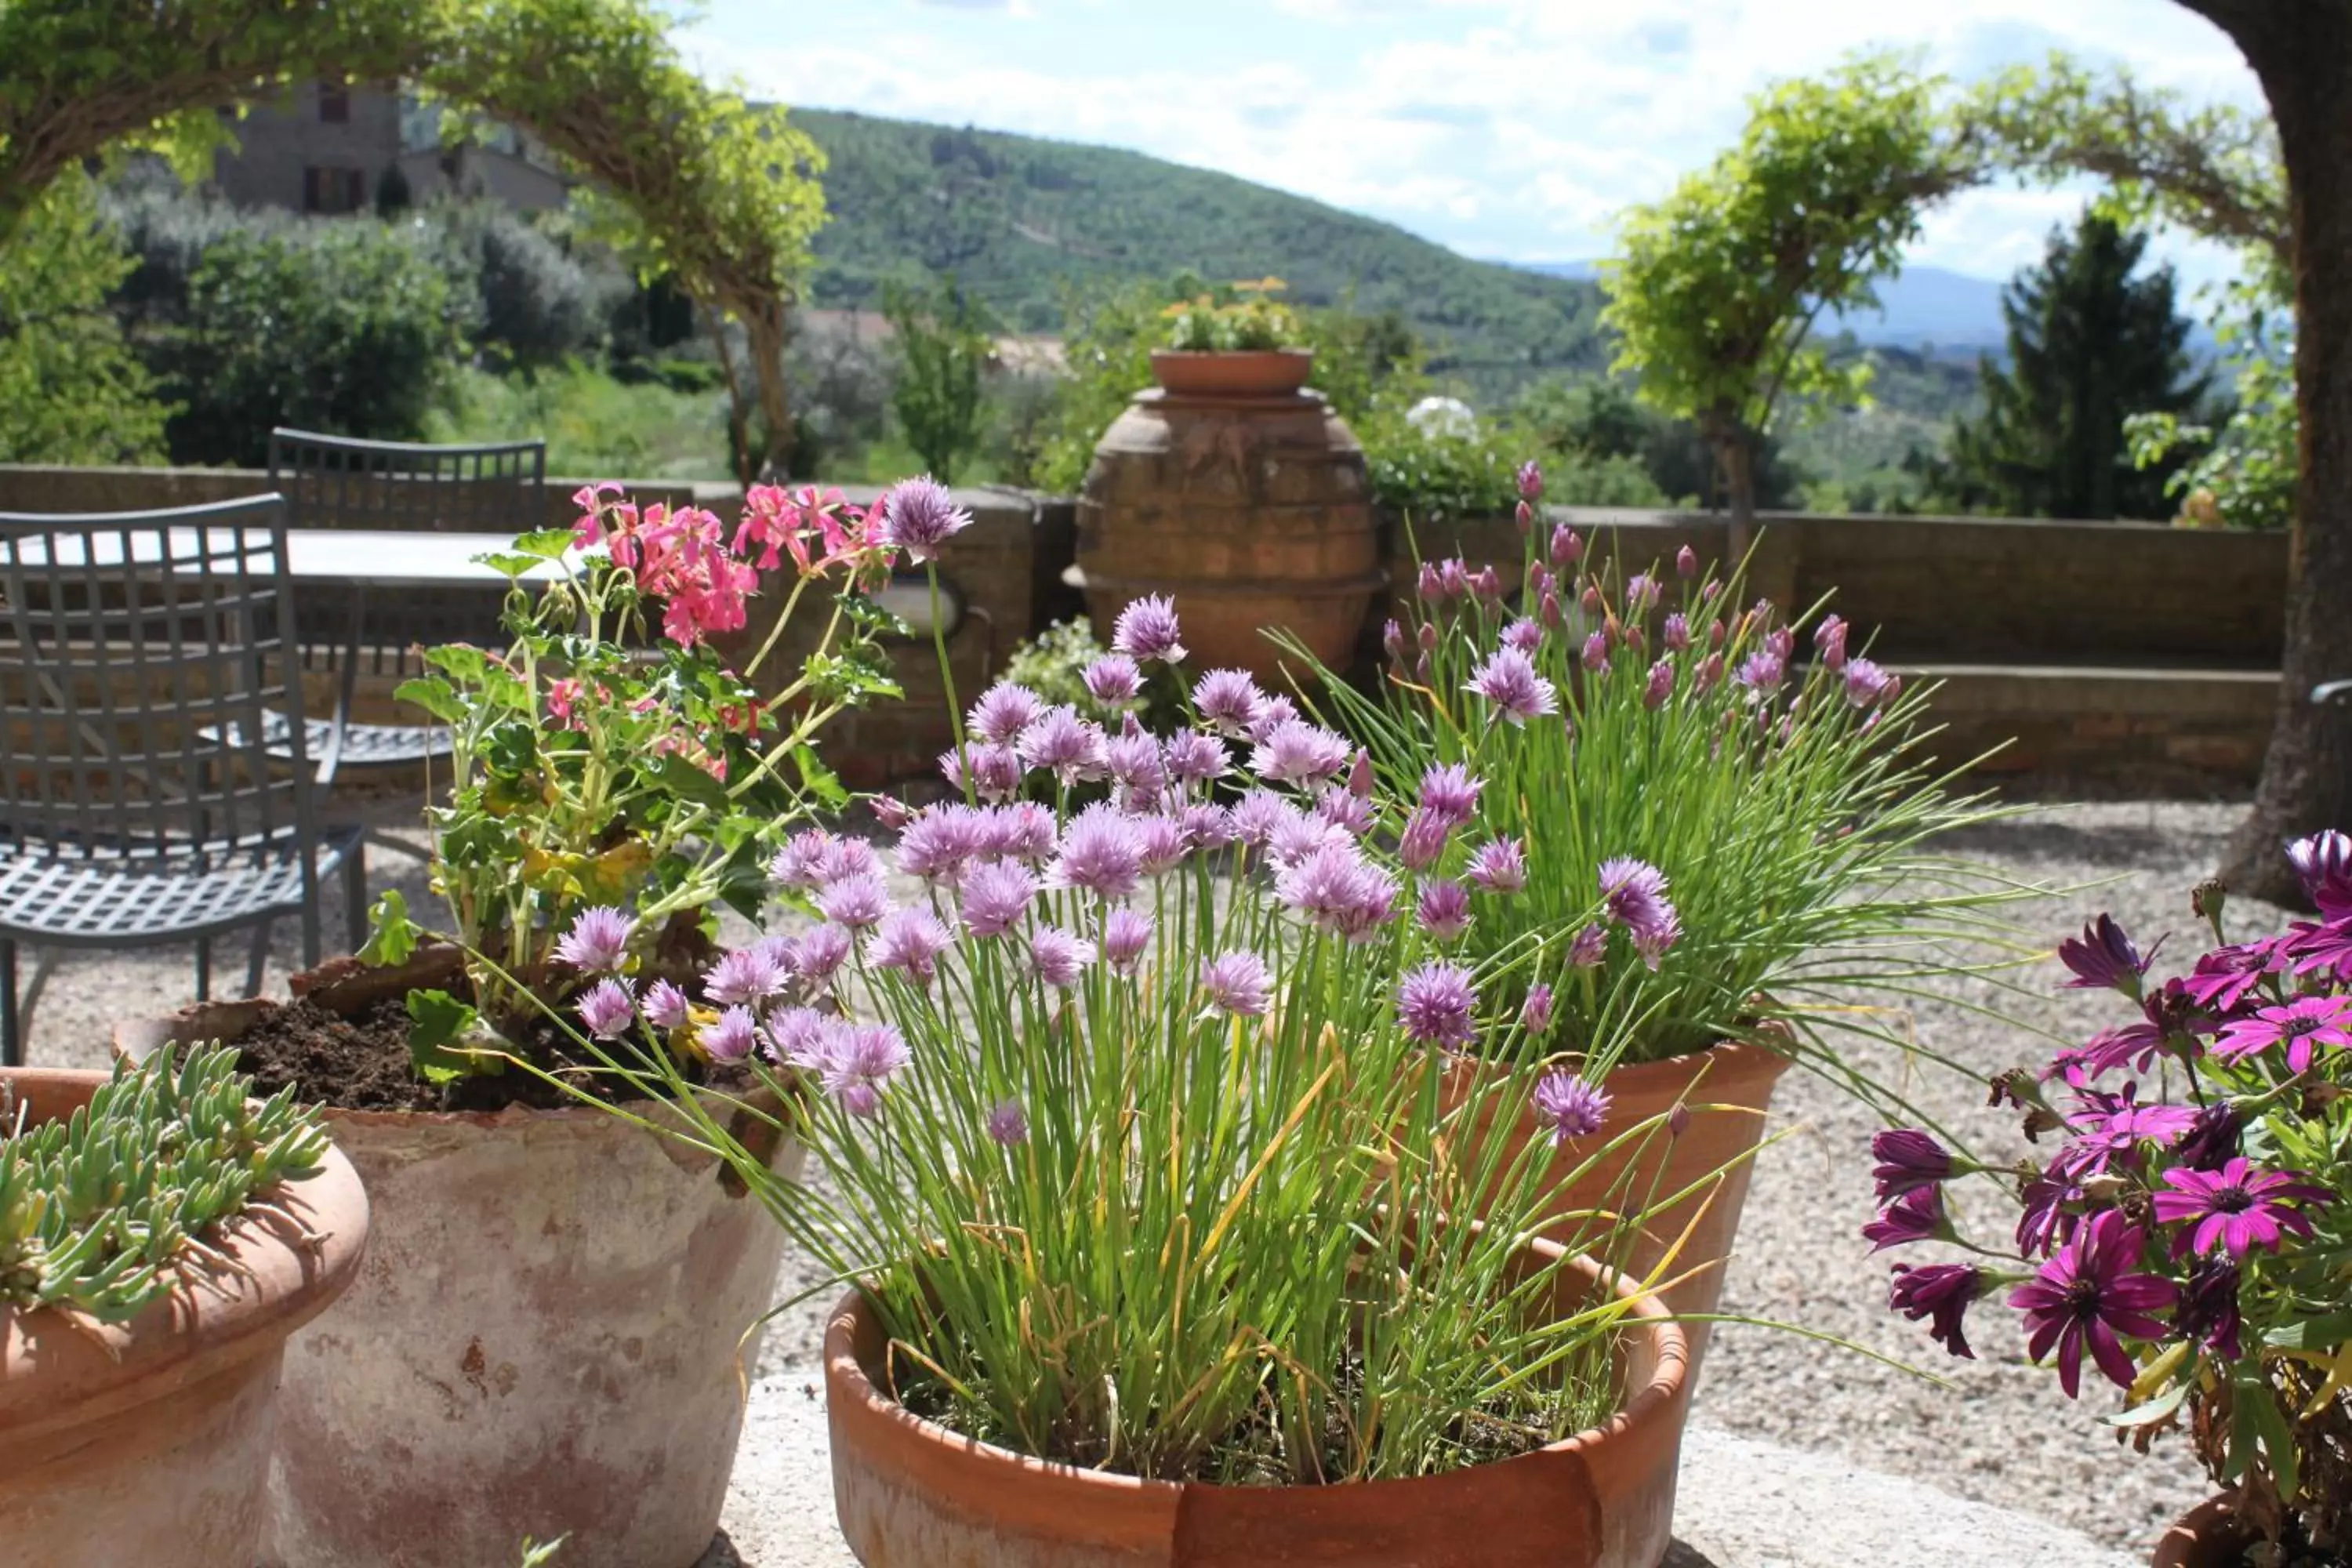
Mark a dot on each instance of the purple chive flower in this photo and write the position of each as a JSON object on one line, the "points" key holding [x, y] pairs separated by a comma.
{"points": [[1941, 1293], [1866, 684], [1428, 585], [1676, 633], [2089, 1294], [1237, 983], [1829, 642], [1917, 1215], [1909, 1159], [996, 894], [1590, 946], [1686, 563], [2207, 1313], [920, 516], [1780, 641], [1449, 792], [1531, 481], [995, 771], [1762, 671], [909, 940], [1272, 713], [1346, 809], [1163, 841], [1571, 1107], [608, 1008], [730, 1037], [1211, 826], [797, 1036], [1499, 867], [1101, 853], [1297, 752], [1257, 815], [1590, 600], [1113, 680], [1392, 638], [597, 941], [846, 857], [1007, 1123], [1710, 672], [2236, 1208], [1299, 834], [1135, 762], [890, 811], [1146, 630], [665, 1006], [1190, 757], [2301, 1026], [1635, 894], [859, 1061], [1653, 940], [1510, 682], [1228, 700], [1659, 687], [1641, 594], [1534, 1013], [1004, 711], [1436, 1005], [1444, 910], [1422, 843], [1023, 830], [1487, 585], [1126, 937], [1453, 577], [1596, 652], [1335, 887], [1524, 636], [2323, 864], [1060, 956], [2103, 958], [745, 974], [1567, 549], [1068, 745], [854, 901], [819, 953]]}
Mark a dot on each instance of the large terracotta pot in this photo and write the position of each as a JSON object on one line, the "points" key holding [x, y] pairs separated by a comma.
{"points": [[1243, 373], [551, 1337], [912, 1494], [1728, 1089], [1250, 512], [2205, 1537], [148, 1442]]}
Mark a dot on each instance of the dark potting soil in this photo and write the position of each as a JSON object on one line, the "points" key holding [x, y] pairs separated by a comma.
{"points": [[362, 1063]]}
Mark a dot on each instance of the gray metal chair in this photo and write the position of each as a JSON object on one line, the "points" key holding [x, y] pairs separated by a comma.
{"points": [[136, 649], [336, 482]]}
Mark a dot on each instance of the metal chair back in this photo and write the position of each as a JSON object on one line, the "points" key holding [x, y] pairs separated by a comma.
{"points": [[143, 652]]}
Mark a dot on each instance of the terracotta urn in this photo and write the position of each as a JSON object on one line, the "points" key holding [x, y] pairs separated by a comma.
{"points": [[148, 1442], [2205, 1537], [550, 1336], [912, 1494]]}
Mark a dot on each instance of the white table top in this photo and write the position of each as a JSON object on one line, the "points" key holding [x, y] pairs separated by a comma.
{"points": [[379, 558]]}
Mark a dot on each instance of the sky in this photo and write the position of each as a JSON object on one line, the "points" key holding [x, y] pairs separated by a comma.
{"points": [[1514, 130]]}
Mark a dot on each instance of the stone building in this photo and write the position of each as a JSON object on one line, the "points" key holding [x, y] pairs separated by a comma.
{"points": [[327, 148]]}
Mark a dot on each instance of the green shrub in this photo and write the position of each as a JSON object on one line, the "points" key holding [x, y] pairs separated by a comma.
{"points": [[538, 304], [72, 390], [594, 424], [1053, 664]]}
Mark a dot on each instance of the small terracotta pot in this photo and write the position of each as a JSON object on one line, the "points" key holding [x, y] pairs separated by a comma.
{"points": [[1736, 1077], [2205, 1537], [148, 1442], [551, 1337], [1246, 372], [912, 1494]]}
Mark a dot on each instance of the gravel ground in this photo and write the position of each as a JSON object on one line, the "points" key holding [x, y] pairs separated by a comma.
{"points": [[2002, 1433]]}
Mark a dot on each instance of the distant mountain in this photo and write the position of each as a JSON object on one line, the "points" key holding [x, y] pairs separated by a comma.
{"points": [[1921, 306], [1020, 221]]}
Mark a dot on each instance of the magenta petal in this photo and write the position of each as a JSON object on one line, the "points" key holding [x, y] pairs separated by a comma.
{"points": [[2070, 1358], [2109, 1352]]}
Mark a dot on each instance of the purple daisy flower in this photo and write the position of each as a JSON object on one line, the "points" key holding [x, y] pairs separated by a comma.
{"points": [[819, 953], [598, 940], [996, 894], [1237, 983], [854, 901], [2091, 1294], [665, 1006], [2323, 862], [1146, 630], [2207, 1313], [859, 1061], [1510, 682], [730, 1037], [2301, 1026], [1228, 700], [1114, 680], [1071, 747], [919, 515], [1534, 1013], [2227, 975], [2104, 959], [1004, 711], [1499, 866], [1101, 853], [1942, 1293], [1060, 956], [1436, 1005], [2236, 1208], [745, 974], [2048, 1212], [1297, 752], [1126, 937], [2213, 1140], [1917, 1215], [1007, 1124], [1590, 946], [608, 1008], [1444, 910], [1569, 1106], [1909, 1159], [1449, 792]]}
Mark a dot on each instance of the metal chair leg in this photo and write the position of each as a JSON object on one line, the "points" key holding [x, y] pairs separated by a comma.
{"points": [[310, 940], [11, 1047], [258, 960], [355, 895], [203, 969]]}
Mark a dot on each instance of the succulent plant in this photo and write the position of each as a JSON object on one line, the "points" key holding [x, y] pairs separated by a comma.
{"points": [[99, 1210]]}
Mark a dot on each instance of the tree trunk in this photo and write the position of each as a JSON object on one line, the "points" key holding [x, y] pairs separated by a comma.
{"points": [[2302, 52], [1735, 455], [765, 330]]}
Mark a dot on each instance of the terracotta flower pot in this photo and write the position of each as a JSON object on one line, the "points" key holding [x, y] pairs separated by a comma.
{"points": [[148, 1442], [2205, 1537], [912, 1494], [548, 1338], [1732, 1075], [1248, 373]]}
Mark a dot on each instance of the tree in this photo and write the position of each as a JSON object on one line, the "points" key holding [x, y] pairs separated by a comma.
{"points": [[2089, 345], [1717, 287], [943, 340], [717, 195], [71, 391]]}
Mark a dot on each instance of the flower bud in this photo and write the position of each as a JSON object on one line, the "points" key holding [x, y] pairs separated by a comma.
{"points": [[1590, 599], [1715, 634], [1428, 637], [1567, 549], [1392, 639], [1660, 685], [1686, 563], [1525, 516], [1427, 584]]}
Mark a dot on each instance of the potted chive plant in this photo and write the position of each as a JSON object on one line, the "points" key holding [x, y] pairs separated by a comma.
{"points": [[616, 782], [1733, 784], [161, 1234], [2184, 1240], [1136, 1125]]}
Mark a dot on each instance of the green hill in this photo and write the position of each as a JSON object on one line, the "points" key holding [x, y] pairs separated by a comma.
{"points": [[1021, 220]]}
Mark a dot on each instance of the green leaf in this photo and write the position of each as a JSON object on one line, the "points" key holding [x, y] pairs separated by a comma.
{"points": [[818, 779], [433, 695], [2312, 1334], [435, 1019], [545, 543], [2155, 1410], [508, 563], [393, 936], [461, 662]]}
